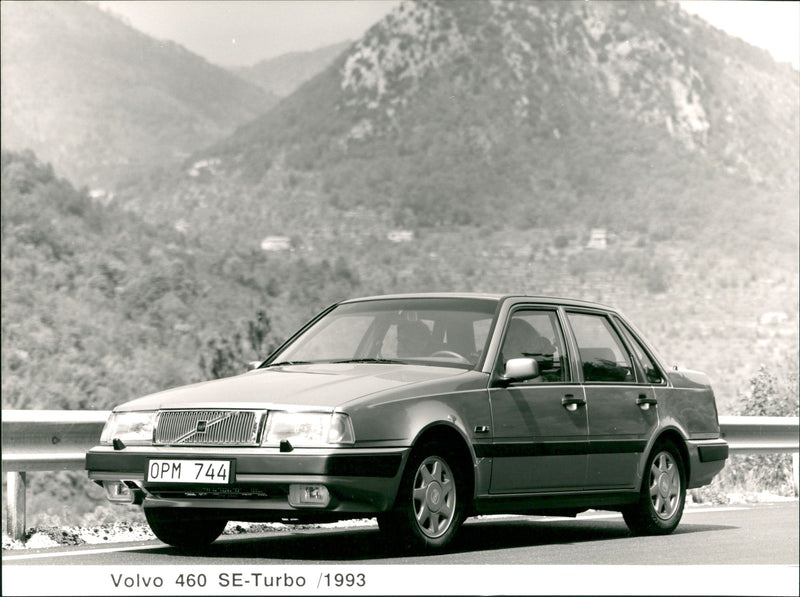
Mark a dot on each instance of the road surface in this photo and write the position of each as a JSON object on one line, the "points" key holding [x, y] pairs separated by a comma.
{"points": [[596, 541]]}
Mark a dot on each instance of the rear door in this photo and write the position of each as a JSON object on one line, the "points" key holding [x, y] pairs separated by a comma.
{"points": [[621, 402], [540, 425]]}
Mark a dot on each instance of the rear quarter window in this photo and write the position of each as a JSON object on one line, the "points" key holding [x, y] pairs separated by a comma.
{"points": [[651, 371]]}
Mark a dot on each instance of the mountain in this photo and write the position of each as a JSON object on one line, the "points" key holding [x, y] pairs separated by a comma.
{"points": [[497, 135], [282, 75], [443, 105], [103, 102]]}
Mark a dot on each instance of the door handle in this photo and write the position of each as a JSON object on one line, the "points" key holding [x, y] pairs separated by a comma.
{"points": [[644, 402], [571, 403]]}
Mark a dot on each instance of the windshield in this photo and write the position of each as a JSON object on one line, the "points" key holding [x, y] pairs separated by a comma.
{"points": [[434, 331]]}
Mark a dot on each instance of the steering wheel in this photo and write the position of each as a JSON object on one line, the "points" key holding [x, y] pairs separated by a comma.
{"points": [[449, 354]]}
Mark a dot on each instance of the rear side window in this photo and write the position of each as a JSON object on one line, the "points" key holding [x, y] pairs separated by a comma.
{"points": [[652, 373], [603, 355]]}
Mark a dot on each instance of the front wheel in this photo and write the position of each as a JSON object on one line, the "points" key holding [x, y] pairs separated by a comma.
{"points": [[660, 506], [184, 528], [430, 505]]}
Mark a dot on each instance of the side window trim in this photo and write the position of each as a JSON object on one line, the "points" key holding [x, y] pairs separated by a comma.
{"points": [[571, 347], [566, 339]]}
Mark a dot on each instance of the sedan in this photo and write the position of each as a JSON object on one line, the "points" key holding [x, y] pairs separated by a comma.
{"points": [[422, 410]]}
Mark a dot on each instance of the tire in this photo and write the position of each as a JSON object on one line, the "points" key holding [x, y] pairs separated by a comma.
{"points": [[660, 506], [184, 528], [431, 502]]}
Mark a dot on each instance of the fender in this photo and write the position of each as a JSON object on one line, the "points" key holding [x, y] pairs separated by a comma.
{"points": [[668, 427]]}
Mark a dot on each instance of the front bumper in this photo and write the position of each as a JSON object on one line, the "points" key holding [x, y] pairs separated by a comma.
{"points": [[360, 481]]}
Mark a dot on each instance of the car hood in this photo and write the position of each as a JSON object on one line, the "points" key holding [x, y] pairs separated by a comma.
{"points": [[327, 385]]}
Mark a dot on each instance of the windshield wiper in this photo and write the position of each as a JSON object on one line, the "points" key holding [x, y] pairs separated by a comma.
{"points": [[282, 363], [390, 361], [286, 363]]}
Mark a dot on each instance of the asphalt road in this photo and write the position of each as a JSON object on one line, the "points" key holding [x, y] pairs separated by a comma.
{"points": [[593, 554], [748, 534]]}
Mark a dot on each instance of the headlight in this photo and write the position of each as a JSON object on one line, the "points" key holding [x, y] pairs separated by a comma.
{"points": [[308, 429], [131, 428]]}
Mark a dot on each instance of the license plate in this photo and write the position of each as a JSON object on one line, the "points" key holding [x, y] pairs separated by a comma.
{"points": [[189, 471]]}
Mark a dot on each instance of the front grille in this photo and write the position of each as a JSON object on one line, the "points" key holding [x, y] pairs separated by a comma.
{"points": [[208, 427]]}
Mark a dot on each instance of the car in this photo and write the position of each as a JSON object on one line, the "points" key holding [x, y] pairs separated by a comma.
{"points": [[422, 410]]}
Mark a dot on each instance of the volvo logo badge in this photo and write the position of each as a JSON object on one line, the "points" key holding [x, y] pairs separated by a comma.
{"points": [[201, 426]]}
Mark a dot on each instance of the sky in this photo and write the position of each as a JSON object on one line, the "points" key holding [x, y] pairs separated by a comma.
{"points": [[242, 33], [774, 26]]}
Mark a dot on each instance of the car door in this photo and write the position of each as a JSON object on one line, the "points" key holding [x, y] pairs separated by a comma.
{"points": [[620, 402], [540, 426]]}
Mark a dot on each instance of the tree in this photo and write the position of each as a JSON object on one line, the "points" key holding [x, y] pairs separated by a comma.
{"points": [[225, 357]]}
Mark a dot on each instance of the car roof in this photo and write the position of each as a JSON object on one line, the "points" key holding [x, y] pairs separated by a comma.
{"points": [[487, 296]]}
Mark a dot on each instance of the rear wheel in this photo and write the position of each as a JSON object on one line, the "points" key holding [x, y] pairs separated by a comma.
{"points": [[660, 506], [430, 504], [185, 528]]}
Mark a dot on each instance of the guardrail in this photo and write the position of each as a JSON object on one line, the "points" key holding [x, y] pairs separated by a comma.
{"points": [[43, 440], [54, 440]]}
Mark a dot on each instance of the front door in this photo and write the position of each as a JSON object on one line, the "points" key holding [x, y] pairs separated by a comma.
{"points": [[540, 426]]}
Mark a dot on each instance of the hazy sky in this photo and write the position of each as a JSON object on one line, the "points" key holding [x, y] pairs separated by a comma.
{"points": [[242, 33], [774, 26]]}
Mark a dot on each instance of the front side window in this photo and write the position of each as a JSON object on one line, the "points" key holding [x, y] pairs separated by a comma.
{"points": [[537, 334], [603, 355]]}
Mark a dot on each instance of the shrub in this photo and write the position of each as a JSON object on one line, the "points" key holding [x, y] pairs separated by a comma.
{"points": [[771, 395]]}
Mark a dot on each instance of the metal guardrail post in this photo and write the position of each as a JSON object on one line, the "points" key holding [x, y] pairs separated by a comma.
{"points": [[795, 475], [16, 504]]}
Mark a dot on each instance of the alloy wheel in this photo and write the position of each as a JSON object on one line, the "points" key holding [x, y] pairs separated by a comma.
{"points": [[434, 497], [665, 486]]}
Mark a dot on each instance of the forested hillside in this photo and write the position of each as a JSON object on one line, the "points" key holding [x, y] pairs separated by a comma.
{"points": [[99, 307]]}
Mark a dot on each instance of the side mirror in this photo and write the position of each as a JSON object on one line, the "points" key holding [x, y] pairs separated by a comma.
{"points": [[520, 370]]}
